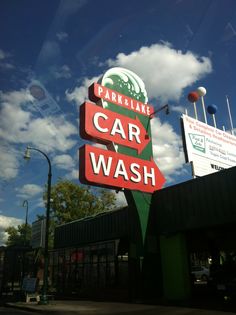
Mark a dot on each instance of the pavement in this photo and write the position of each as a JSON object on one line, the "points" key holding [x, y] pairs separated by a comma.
{"points": [[113, 308]]}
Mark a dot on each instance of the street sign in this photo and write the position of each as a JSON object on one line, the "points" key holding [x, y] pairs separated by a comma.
{"points": [[102, 125], [111, 169], [97, 92]]}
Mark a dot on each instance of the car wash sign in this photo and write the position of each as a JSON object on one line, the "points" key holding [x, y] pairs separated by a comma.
{"points": [[119, 119]]}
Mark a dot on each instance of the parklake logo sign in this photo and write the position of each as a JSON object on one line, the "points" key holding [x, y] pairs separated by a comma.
{"points": [[198, 142], [119, 119]]}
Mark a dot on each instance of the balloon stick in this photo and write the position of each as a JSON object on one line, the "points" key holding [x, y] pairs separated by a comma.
{"points": [[201, 91], [214, 120], [195, 110], [212, 109], [230, 117], [203, 108]]}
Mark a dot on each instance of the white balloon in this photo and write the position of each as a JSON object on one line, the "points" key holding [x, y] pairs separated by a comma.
{"points": [[201, 91]]}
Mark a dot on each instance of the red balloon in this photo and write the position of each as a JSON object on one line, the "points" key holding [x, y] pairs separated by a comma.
{"points": [[193, 97]]}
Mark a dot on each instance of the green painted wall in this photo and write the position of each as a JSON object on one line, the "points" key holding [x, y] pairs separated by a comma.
{"points": [[175, 267]]}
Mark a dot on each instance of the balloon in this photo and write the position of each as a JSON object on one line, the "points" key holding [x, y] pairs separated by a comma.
{"points": [[212, 109], [193, 97], [201, 91]]}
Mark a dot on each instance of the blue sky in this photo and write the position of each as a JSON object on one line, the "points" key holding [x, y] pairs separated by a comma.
{"points": [[175, 46]]}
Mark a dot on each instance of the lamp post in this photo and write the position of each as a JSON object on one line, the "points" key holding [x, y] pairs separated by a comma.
{"points": [[44, 297], [167, 111], [26, 204]]}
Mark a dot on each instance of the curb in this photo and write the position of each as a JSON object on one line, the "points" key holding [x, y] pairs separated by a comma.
{"points": [[31, 308]]}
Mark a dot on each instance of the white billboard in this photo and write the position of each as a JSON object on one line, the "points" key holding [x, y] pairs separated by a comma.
{"points": [[208, 149]]}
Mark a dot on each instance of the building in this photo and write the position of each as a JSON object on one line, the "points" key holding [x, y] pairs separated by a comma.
{"points": [[192, 223]]}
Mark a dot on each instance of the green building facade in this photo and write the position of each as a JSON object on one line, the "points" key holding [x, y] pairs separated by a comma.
{"points": [[189, 223]]}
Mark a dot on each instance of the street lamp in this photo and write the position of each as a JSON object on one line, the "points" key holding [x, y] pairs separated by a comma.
{"points": [[167, 111], [44, 297], [26, 204]]}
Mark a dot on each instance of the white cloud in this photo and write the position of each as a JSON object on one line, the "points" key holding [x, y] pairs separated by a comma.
{"points": [[62, 36], [16, 98], [179, 109], [165, 71], [167, 150], [73, 174], [50, 136], [120, 200], [8, 163], [13, 121], [29, 191], [64, 161], [40, 203], [63, 72], [2, 54], [17, 125], [4, 64], [5, 222], [80, 94]]}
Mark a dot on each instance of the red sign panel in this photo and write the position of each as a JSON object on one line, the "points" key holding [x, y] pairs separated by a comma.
{"points": [[101, 124], [97, 92], [111, 169]]}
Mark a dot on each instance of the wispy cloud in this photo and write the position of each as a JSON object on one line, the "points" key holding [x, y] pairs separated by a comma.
{"points": [[8, 162], [63, 161], [63, 72], [5, 63], [167, 150], [20, 125], [2, 54], [80, 94], [120, 200], [29, 191], [62, 36], [165, 70]]}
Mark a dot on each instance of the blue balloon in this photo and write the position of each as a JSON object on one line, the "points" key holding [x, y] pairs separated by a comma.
{"points": [[212, 109]]}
